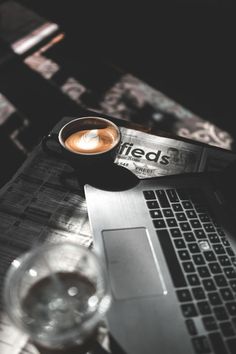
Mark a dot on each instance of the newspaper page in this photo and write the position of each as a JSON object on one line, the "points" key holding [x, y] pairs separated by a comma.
{"points": [[148, 155], [37, 205]]}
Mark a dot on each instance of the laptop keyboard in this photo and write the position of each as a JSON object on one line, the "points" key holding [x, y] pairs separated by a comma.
{"points": [[202, 266]]}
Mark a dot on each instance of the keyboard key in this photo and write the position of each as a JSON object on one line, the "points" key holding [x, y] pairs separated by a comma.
{"points": [[191, 214], [224, 241], [162, 198], [204, 307], [189, 236], [193, 247], [220, 232], [179, 243], [156, 214], [180, 216], [189, 310], [224, 260], [213, 238], [192, 329], [184, 295], [231, 345], [199, 233], [184, 255], [220, 280], [209, 284], [176, 232], [187, 205], [230, 272], [195, 224], [159, 223], [171, 222], [203, 272], [198, 259], [177, 207], [193, 279], [149, 195], [209, 323], [168, 213], [219, 249], [171, 259], [209, 227], [231, 307], [214, 298], [227, 329], [215, 268], [201, 345], [226, 294], [185, 226], [188, 267], [217, 343], [204, 217], [204, 245], [152, 204], [198, 293], [220, 313], [172, 195], [210, 256]]}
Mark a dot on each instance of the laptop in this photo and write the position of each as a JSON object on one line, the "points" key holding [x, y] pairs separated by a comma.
{"points": [[169, 248]]}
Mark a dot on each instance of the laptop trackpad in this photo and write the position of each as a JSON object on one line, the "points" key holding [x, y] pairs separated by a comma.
{"points": [[133, 268]]}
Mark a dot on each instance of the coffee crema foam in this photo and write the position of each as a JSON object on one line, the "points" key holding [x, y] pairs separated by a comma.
{"points": [[92, 140]]}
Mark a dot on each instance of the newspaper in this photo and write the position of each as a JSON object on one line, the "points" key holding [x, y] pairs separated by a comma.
{"points": [[37, 206], [147, 155]]}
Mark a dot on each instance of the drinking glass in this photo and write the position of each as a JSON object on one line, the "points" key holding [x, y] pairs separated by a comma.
{"points": [[57, 294]]}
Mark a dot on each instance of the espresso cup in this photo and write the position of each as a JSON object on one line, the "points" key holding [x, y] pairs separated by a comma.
{"points": [[86, 141]]}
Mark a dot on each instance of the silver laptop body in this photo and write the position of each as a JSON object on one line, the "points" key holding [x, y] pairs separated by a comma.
{"points": [[154, 309]]}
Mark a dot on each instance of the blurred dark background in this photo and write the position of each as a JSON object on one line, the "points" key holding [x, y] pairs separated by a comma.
{"points": [[185, 49]]}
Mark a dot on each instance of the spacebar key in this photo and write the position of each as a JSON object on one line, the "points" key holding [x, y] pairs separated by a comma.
{"points": [[171, 258]]}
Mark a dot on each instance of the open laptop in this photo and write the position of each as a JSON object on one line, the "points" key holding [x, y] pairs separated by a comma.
{"points": [[169, 248]]}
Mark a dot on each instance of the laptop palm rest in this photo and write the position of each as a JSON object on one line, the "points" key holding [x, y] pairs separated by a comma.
{"points": [[133, 268]]}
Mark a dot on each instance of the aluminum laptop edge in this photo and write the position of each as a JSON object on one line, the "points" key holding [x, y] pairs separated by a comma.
{"points": [[146, 315]]}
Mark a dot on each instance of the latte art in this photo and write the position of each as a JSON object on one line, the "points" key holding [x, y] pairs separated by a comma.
{"points": [[92, 141]]}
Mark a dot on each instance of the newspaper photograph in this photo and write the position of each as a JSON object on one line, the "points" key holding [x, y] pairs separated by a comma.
{"points": [[36, 206]]}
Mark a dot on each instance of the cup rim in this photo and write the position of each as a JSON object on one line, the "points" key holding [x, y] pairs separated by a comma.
{"points": [[86, 153]]}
